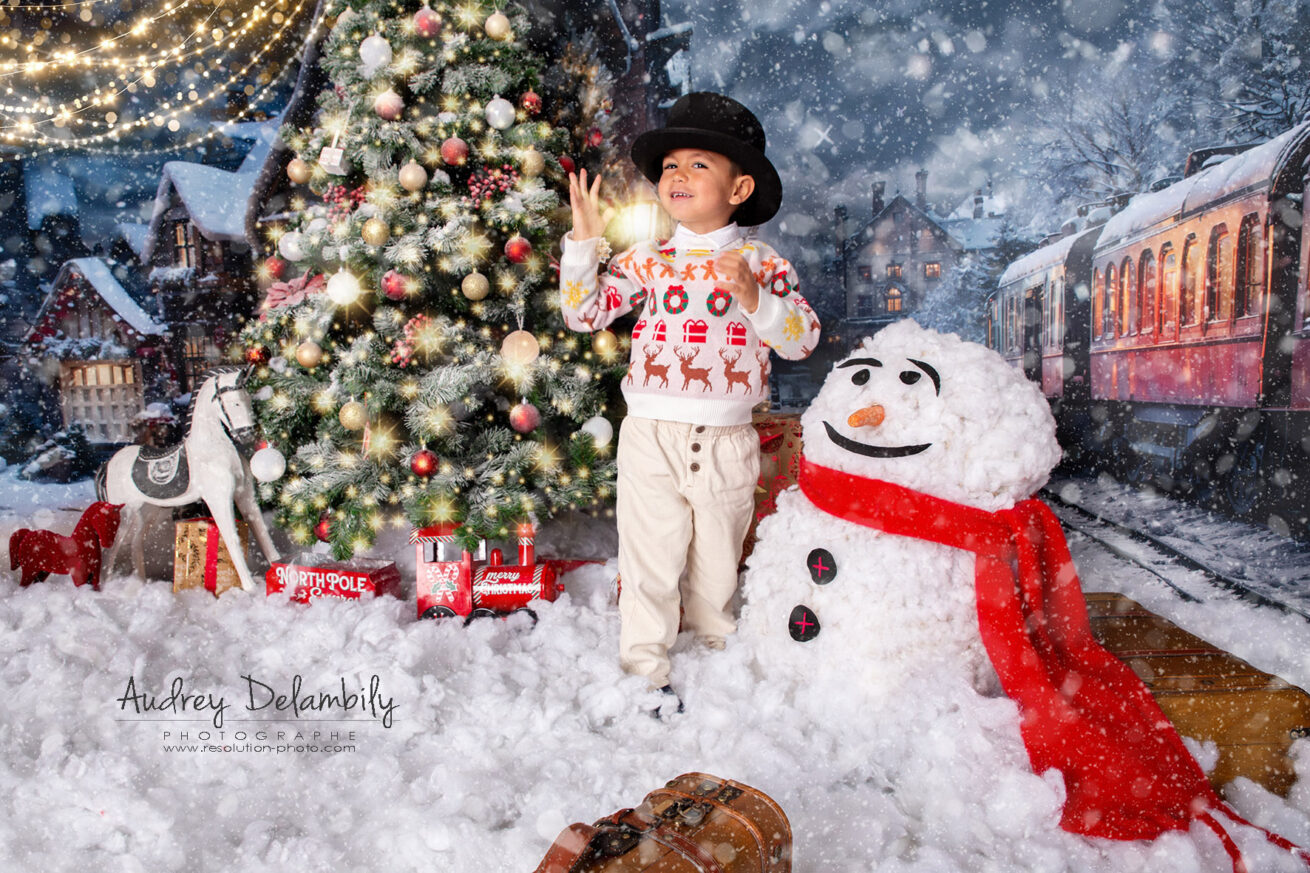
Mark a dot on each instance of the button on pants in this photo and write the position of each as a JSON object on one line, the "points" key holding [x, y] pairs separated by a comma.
{"points": [[686, 496]]}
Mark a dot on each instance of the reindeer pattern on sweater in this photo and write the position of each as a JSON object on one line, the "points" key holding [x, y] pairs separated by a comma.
{"points": [[696, 355]]}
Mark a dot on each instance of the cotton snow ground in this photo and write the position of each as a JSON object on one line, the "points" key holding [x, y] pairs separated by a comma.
{"points": [[504, 734]]}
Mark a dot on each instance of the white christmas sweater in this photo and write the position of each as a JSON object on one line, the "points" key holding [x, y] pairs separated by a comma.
{"points": [[697, 356]]}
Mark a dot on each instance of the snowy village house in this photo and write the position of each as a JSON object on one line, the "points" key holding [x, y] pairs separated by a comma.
{"points": [[887, 267]]}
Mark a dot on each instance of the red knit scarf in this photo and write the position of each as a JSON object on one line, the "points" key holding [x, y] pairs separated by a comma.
{"points": [[1127, 774]]}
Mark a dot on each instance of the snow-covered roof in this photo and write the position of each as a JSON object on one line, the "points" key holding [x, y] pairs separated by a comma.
{"points": [[1038, 260], [102, 279], [992, 205], [1250, 169], [214, 199], [973, 233], [48, 192], [134, 233]]}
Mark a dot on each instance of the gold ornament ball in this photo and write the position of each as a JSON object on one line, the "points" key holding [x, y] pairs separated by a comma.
{"points": [[309, 354], [375, 232], [413, 177], [298, 171], [351, 415], [497, 26], [520, 347], [533, 163], [604, 343], [475, 286]]}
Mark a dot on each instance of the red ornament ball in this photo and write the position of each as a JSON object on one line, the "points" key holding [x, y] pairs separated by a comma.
{"points": [[395, 285], [256, 355], [454, 151], [276, 267], [423, 463], [518, 249], [427, 23], [524, 417], [567, 163], [531, 102], [323, 530], [595, 137]]}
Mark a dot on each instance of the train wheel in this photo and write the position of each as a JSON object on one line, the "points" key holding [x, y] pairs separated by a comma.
{"points": [[438, 612], [532, 614], [1244, 487], [480, 612]]}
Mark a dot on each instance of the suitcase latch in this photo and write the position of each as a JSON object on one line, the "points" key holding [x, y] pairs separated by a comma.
{"points": [[689, 812], [615, 841]]}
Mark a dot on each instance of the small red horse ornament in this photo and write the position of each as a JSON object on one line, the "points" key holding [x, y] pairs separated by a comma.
{"points": [[41, 552]]}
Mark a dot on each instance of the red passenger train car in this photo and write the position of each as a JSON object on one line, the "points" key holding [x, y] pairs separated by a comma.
{"points": [[1172, 337]]}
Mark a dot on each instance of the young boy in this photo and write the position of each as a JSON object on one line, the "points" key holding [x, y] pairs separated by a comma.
{"points": [[712, 305]]}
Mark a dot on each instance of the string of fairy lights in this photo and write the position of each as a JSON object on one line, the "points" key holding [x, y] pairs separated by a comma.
{"points": [[100, 118]]}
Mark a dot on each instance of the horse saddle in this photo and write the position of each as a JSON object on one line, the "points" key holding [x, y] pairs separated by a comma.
{"points": [[162, 474]]}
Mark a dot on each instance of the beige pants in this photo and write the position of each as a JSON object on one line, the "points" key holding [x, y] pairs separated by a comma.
{"points": [[686, 496]]}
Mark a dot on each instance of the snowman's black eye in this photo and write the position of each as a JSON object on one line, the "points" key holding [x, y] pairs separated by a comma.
{"points": [[860, 377], [909, 377]]}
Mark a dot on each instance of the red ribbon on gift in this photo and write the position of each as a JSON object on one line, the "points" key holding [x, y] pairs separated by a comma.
{"points": [[212, 541]]}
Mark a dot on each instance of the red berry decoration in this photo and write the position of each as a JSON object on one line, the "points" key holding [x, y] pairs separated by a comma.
{"points": [[256, 355], [323, 530], [524, 417], [518, 249], [531, 102], [595, 138], [427, 23], [454, 151], [395, 285], [423, 463], [276, 267], [567, 163]]}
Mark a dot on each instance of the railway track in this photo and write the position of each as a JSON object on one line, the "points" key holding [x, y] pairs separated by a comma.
{"points": [[1157, 555]]}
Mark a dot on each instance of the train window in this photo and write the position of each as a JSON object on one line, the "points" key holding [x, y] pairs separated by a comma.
{"points": [[1146, 291], [1219, 275], [1191, 285], [1250, 268], [1110, 313], [1127, 309], [1098, 303], [1168, 292]]}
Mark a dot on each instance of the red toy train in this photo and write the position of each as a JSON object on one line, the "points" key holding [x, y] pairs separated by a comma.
{"points": [[466, 586]]}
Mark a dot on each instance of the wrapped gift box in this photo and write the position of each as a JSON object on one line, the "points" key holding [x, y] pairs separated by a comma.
{"points": [[309, 576], [201, 558]]}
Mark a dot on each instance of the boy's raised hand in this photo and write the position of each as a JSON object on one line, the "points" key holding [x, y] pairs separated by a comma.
{"points": [[736, 278], [588, 219]]}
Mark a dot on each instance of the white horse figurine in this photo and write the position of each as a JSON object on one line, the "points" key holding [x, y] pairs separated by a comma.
{"points": [[207, 465]]}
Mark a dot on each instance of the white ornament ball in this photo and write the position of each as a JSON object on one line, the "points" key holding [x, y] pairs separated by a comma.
{"points": [[374, 53], [388, 105], [343, 288], [413, 177], [268, 464], [520, 347], [532, 163], [292, 246], [497, 26], [500, 113], [600, 429]]}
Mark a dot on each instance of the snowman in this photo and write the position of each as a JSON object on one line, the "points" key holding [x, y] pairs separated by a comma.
{"points": [[909, 580], [929, 412]]}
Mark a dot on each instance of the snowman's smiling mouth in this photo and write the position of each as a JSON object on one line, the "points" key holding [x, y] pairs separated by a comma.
{"points": [[859, 448]]}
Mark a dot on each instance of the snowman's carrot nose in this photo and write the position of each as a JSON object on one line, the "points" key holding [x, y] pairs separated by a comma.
{"points": [[869, 416]]}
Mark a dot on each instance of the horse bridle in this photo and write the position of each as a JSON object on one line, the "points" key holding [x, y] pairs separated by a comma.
{"points": [[239, 436]]}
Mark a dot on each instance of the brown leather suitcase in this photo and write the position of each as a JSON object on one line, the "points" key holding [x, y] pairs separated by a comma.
{"points": [[1207, 693], [694, 824]]}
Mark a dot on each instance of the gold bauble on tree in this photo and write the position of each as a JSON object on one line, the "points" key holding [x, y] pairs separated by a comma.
{"points": [[375, 232], [298, 171], [352, 415], [497, 26], [309, 354], [475, 286], [532, 163], [604, 343], [520, 347], [413, 177]]}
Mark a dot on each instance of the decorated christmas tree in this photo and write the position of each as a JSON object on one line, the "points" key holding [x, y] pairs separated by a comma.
{"points": [[413, 368]]}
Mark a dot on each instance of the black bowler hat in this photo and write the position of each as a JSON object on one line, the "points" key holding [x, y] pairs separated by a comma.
{"points": [[720, 124]]}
